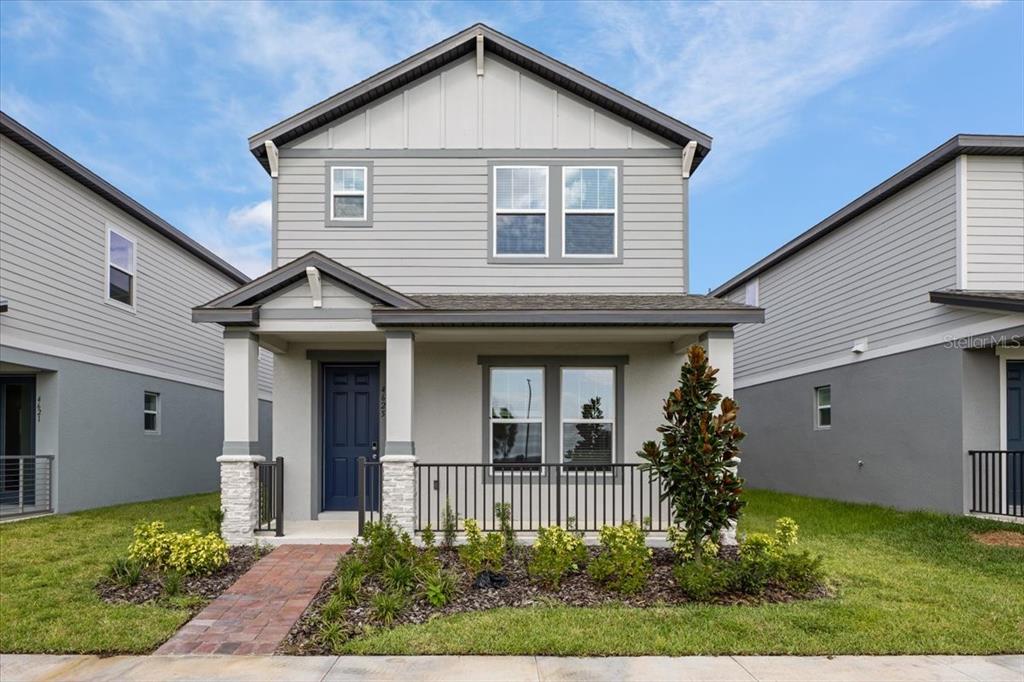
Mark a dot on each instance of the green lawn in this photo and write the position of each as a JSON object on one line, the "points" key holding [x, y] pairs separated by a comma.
{"points": [[48, 567], [906, 583]]}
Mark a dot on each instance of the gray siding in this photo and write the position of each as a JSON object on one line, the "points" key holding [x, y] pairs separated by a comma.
{"points": [[53, 268], [431, 221], [995, 222], [869, 279]]}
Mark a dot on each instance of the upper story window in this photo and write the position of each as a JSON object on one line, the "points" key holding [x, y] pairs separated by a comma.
{"points": [[517, 415], [348, 193], [120, 268], [520, 210], [590, 210], [823, 407]]}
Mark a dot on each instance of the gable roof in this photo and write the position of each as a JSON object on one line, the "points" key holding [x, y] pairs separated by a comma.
{"points": [[79, 173], [979, 145], [455, 47], [987, 300]]}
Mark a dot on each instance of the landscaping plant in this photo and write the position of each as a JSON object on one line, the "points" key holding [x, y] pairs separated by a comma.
{"points": [[428, 537], [450, 525], [683, 548], [172, 580], [439, 587], [125, 572], [556, 553], [624, 561], [190, 553], [398, 575], [386, 606], [696, 459], [503, 510], [482, 551]]}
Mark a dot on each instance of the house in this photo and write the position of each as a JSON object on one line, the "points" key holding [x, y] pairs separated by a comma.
{"points": [[480, 262], [893, 344], [108, 392]]}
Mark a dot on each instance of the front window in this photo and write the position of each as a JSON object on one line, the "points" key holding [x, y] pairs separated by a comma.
{"points": [[823, 407], [348, 193], [588, 415], [517, 415], [590, 200], [520, 210], [151, 412], [120, 269]]}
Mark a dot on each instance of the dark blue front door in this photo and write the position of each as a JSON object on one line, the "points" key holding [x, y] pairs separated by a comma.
{"points": [[351, 430], [1014, 429]]}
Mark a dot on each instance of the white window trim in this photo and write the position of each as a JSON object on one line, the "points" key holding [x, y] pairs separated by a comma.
{"points": [[492, 420], [106, 271], [819, 407], [752, 291], [524, 211], [562, 420], [349, 193], [156, 413], [614, 212]]}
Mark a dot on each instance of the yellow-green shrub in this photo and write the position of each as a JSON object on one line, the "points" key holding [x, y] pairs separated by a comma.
{"points": [[556, 552], [191, 553], [482, 551], [625, 559], [683, 548]]}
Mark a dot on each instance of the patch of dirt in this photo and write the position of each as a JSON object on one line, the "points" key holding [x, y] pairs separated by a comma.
{"points": [[1000, 538], [577, 589], [208, 587]]}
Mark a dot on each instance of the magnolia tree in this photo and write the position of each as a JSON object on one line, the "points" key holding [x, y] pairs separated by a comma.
{"points": [[697, 457]]}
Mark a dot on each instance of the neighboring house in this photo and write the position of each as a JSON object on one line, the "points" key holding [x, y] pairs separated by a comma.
{"points": [[495, 242], [894, 341], [108, 392]]}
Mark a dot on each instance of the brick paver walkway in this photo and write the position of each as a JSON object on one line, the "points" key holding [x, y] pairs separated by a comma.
{"points": [[255, 614]]}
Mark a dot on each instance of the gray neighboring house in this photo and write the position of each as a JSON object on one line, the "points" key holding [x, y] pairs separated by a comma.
{"points": [[108, 392], [893, 342]]}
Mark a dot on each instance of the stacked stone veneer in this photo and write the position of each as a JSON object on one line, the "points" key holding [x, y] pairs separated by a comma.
{"points": [[399, 490], [238, 497]]}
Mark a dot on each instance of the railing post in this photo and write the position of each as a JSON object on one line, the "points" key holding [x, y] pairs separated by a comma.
{"points": [[21, 485], [279, 481], [361, 492], [558, 494]]}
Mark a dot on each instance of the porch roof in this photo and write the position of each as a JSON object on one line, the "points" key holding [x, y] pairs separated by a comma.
{"points": [[1012, 301]]}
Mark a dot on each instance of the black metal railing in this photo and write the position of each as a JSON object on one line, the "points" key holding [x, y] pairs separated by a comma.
{"points": [[26, 485], [578, 496], [270, 499], [370, 490], [997, 482]]}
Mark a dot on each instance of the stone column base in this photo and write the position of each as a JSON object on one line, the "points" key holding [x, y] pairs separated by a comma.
{"points": [[398, 498], [238, 497]]}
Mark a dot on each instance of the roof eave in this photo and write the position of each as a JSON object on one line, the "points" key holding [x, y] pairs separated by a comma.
{"points": [[967, 300], [248, 316], [526, 318]]}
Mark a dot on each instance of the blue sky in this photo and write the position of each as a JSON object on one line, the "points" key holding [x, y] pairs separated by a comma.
{"points": [[810, 104]]}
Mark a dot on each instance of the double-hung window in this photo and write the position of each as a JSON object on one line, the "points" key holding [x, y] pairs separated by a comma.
{"points": [[590, 199], [120, 269], [588, 415], [348, 193], [517, 415], [823, 407], [520, 211], [151, 412]]}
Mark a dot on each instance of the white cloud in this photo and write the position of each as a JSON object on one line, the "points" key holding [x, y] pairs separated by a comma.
{"points": [[255, 218], [240, 235]]}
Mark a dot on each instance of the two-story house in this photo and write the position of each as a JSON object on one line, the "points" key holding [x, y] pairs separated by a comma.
{"points": [[480, 260], [108, 392], [893, 344]]}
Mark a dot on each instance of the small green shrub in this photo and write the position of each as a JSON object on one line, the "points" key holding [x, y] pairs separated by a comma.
{"points": [[683, 548], [800, 572], [383, 541], [386, 606], [207, 519], [172, 581], [125, 572], [624, 561], [335, 607], [482, 551], [398, 575], [703, 581], [428, 537], [351, 566], [765, 559], [439, 587], [503, 511], [450, 525], [332, 633], [348, 587], [556, 553], [190, 553]]}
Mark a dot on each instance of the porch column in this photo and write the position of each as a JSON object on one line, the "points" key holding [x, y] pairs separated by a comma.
{"points": [[397, 464], [238, 483], [718, 344]]}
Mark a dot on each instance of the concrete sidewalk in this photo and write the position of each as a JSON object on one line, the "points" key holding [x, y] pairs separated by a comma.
{"points": [[33, 668]]}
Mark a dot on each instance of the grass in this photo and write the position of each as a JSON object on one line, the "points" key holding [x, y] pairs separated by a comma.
{"points": [[49, 565], [906, 583]]}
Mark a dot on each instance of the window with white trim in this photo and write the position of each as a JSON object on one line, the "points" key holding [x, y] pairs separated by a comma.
{"points": [[823, 407], [588, 415], [517, 415], [151, 412], [590, 202], [520, 210], [348, 193], [752, 292], [120, 268]]}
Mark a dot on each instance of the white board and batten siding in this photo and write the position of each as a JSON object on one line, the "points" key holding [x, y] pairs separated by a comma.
{"points": [[53, 264], [869, 279], [994, 218], [430, 212]]}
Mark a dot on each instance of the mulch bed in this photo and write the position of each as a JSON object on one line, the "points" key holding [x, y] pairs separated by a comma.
{"points": [[208, 587], [576, 590]]}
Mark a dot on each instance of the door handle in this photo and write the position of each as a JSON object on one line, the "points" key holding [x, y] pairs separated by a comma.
{"points": [[373, 449]]}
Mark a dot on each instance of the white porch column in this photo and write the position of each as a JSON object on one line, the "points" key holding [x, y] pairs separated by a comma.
{"points": [[238, 486], [399, 489], [718, 344]]}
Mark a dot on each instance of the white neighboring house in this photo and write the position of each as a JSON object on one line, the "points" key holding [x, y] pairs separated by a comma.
{"points": [[108, 392], [481, 260], [893, 344]]}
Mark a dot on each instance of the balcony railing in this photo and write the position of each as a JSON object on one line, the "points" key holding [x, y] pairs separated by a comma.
{"points": [[997, 482], [26, 485]]}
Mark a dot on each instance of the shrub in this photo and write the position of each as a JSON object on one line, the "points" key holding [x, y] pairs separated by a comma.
{"points": [[482, 551], [386, 606], [624, 561], [450, 525], [348, 586], [800, 572], [124, 572], [503, 510], [398, 575], [172, 580], [556, 553], [334, 608], [189, 553], [332, 633], [207, 519], [383, 541], [151, 544], [705, 580], [696, 459], [764, 559], [428, 537], [682, 547], [439, 587]]}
